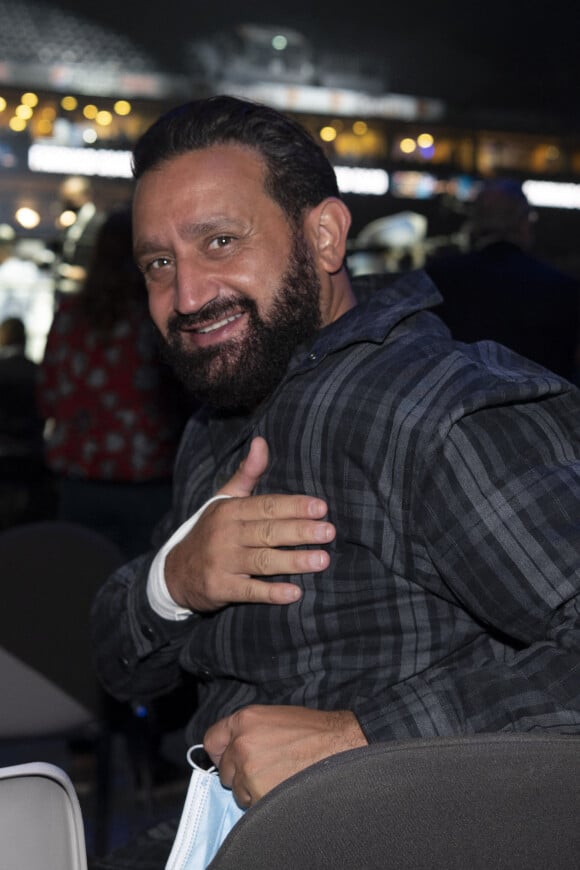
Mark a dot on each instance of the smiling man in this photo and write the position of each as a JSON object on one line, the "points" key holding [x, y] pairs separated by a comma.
{"points": [[233, 285], [374, 533]]}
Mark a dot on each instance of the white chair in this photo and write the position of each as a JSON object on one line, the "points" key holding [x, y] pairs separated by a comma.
{"points": [[41, 826]]}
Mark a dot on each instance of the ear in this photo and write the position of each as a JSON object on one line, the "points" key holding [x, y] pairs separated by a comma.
{"points": [[327, 226]]}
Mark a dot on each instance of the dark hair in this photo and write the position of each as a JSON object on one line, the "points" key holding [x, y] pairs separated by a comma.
{"points": [[12, 332], [113, 285], [298, 174]]}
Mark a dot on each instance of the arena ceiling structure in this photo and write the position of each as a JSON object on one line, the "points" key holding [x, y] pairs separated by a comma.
{"points": [[44, 46], [510, 58]]}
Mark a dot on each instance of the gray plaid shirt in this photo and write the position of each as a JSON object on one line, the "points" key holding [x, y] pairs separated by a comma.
{"points": [[452, 474]]}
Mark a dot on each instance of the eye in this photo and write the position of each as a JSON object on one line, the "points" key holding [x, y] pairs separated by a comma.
{"points": [[220, 242], [155, 265]]}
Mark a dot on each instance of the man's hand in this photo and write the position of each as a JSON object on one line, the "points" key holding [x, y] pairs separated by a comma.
{"points": [[238, 539], [260, 746]]}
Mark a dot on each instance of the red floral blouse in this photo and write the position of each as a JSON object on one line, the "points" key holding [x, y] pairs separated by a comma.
{"points": [[115, 411]]}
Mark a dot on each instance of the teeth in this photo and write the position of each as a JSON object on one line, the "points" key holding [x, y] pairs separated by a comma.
{"points": [[218, 325]]}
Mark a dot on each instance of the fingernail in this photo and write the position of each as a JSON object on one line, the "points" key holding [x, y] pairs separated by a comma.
{"points": [[317, 508], [316, 561], [323, 532], [291, 593]]}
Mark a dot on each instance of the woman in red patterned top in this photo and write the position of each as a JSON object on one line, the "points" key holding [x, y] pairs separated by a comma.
{"points": [[115, 411]]}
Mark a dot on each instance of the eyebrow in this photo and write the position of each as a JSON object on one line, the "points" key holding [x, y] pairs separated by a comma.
{"points": [[149, 246], [203, 228], [198, 229]]}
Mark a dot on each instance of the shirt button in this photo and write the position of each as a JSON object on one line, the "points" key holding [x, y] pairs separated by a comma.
{"points": [[148, 632], [205, 673], [124, 661], [312, 356]]}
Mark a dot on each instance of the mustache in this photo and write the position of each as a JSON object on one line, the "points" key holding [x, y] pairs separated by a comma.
{"points": [[217, 309]]}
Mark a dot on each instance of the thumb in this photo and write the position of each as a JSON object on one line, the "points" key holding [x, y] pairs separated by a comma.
{"points": [[246, 478]]}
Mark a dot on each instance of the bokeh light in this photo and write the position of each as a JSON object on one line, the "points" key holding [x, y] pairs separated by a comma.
{"points": [[27, 218], [328, 134], [69, 104], [407, 145]]}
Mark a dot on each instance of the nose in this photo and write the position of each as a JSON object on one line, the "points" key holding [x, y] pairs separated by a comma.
{"points": [[194, 287]]}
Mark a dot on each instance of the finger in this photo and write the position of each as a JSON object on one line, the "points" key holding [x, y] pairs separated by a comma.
{"points": [[247, 477], [285, 533], [267, 562], [218, 745], [242, 794], [217, 738], [262, 592], [250, 590], [274, 506]]}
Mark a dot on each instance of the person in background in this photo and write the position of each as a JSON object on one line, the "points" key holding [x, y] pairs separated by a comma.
{"points": [[114, 410], [25, 486], [395, 550], [26, 287], [18, 277], [500, 290], [78, 241]]}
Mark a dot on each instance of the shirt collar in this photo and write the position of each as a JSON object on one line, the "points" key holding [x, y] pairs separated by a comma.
{"points": [[383, 301]]}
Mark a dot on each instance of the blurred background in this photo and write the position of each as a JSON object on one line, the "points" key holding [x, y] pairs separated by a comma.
{"points": [[416, 104]]}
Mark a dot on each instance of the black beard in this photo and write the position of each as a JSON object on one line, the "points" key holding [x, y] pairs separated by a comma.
{"points": [[239, 374]]}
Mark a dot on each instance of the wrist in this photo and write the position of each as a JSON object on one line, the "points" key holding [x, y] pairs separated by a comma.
{"points": [[159, 596]]}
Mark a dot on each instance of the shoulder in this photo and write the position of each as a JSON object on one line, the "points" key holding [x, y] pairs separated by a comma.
{"points": [[420, 377]]}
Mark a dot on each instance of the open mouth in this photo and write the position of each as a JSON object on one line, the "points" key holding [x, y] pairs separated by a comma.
{"points": [[204, 330], [214, 332]]}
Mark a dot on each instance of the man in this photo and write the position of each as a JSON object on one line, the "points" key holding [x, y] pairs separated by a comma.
{"points": [[76, 194], [500, 290], [399, 552]]}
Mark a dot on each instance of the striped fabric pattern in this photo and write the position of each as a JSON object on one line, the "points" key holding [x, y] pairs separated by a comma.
{"points": [[452, 474]]}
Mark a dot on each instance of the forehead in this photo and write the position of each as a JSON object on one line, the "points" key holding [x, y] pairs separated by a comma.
{"points": [[225, 171]]}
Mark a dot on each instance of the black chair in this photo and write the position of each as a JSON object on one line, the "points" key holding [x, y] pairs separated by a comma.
{"points": [[482, 802], [50, 572]]}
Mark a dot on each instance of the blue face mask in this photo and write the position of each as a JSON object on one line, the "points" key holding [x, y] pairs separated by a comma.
{"points": [[209, 814]]}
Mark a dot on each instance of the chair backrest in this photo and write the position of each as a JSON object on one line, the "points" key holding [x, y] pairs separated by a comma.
{"points": [[33, 706], [483, 802], [40, 820], [50, 572]]}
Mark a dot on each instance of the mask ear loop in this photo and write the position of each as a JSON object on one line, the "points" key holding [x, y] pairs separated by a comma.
{"points": [[192, 763]]}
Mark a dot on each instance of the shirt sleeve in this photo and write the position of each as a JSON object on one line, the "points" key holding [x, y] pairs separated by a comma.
{"points": [[157, 591], [497, 512], [140, 658], [136, 651]]}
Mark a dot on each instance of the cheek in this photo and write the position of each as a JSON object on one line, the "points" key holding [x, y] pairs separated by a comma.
{"points": [[266, 282]]}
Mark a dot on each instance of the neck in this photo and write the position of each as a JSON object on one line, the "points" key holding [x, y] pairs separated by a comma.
{"points": [[340, 297]]}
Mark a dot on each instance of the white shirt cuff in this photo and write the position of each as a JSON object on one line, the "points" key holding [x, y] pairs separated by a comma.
{"points": [[157, 591]]}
